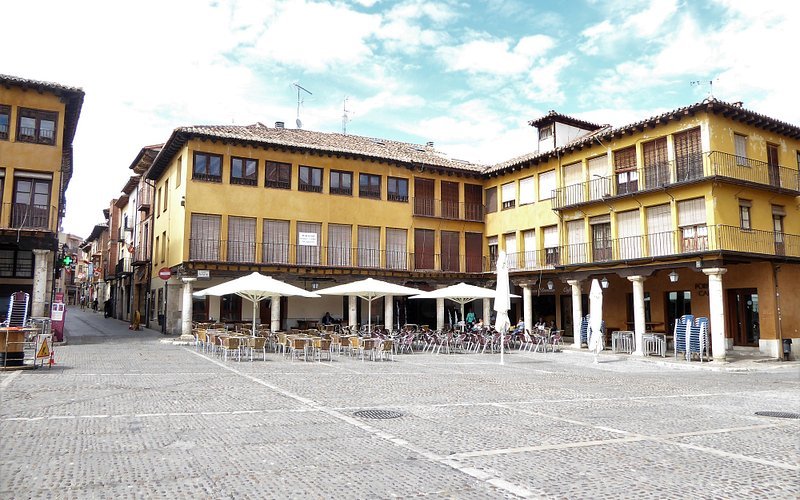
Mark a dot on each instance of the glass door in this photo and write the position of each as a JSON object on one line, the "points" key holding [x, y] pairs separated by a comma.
{"points": [[677, 304], [743, 320]]}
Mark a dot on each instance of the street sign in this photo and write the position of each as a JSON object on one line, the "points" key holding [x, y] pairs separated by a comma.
{"points": [[164, 273], [96, 273], [203, 274]]}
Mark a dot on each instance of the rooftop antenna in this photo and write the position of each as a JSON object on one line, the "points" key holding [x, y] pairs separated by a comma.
{"points": [[697, 83], [299, 100], [345, 117]]}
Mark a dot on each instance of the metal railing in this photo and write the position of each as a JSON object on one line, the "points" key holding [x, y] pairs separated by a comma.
{"points": [[444, 209], [144, 197], [25, 216], [658, 175]]}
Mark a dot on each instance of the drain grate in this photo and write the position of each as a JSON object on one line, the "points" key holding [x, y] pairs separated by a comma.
{"points": [[778, 414], [378, 414]]}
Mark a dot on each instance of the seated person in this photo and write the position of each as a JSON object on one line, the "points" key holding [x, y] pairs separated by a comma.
{"points": [[478, 325], [327, 319], [540, 324], [520, 326]]}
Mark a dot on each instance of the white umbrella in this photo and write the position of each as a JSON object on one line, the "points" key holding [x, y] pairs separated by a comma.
{"points": [[502, 300], [460, 294], [369, 289], [595, 319], [255, 287]]}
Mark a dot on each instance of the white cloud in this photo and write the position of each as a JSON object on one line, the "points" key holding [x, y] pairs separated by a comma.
{"points": [[496, 56], [638, 20]]}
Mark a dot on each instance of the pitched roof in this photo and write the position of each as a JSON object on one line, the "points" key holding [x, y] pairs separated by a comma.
{"points": [[403, 153], [552, 116], [728, 110]]}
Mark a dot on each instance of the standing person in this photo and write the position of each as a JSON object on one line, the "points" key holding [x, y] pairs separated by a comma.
{"points": [[470, 318], [83, 302], [94, 304], [106, 308]]}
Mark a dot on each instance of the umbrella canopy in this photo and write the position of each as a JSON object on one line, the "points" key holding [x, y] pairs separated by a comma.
{"points": [[460, 293], [255, 287], [369, 289], [595, 318], [502, 300]]}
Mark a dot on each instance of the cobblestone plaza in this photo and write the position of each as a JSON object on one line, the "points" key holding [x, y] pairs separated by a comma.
{"points": [[124, 415]]}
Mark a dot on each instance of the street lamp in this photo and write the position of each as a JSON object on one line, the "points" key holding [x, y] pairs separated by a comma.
{"points": [[604, 282], [673, 277], [550, 284]]}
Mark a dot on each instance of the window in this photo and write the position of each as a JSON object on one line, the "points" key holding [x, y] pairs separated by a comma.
{"points": [[545, 132], [688, 155], [163, 246], [423, 197], [692, 223], [341, 182], [204, 237], [656, 163], [659, 230], [397, 189], [744, 214], [473, 202], [339, 244], [473, 243], [244, 171], [450, 200], [424, 249], [278, 175], [5, 117], [369, 240], [576, 241], [601, 238], [527, 191], [599, 182], [396, 248], [529, 247], [509, 195], [31, 202], [511, 250], [156, 248], [547, 184], [450, 249], [550, 242], [308, 243], [625, 170], [276, 242], [241, 239], [178, 171], [16, 263], [491, 200], [740, 144], [207, 167], [369, 186], [778, 213], [572, 180], [493, 250], [166, 194], [310, 179], [629, 230], [34, 125], [158, 202]]}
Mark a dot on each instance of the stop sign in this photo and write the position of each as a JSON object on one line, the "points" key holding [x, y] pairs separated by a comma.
{"points": [[164, 273]]}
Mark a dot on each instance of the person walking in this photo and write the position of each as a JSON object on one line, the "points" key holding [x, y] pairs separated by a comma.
{"points": [[94, 304]]}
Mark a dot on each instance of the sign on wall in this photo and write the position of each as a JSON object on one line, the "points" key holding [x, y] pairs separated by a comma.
{"points": [[307, 239]]}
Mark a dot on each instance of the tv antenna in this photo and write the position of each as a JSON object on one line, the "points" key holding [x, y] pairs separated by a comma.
{"points": [[345, 117], [299, 101], [710, 83]]}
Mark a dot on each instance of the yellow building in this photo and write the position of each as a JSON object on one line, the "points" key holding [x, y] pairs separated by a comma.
{"points": [[37, 125], [694, 211]]}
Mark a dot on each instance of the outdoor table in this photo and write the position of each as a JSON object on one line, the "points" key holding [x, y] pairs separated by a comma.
{"points": [[655, 343]]}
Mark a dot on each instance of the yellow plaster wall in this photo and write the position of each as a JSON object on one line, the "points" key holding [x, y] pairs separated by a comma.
{"points": [[27, 156], [722, 139]]}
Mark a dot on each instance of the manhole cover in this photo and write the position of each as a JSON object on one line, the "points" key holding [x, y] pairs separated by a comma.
{"points": [[379, 414], [778, 414]]}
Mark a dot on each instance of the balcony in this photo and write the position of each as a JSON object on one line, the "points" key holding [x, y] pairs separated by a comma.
{"points": [[30, 217], [715, 164], [442, 209], [242, 252], [144, 198]]}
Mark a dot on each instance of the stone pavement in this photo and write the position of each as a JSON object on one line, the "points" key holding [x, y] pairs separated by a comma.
{"points": [[123, 415]]}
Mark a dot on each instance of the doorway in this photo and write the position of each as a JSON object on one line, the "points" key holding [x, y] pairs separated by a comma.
{"points": [[743, 319], [677, 304]]}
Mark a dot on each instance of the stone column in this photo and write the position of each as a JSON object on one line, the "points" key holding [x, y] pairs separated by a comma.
{"points": [[487, 312], [439, 314], [527, 306], [186, 311], [275, 313], [577, 312], [716, 312], [638, 313], [39, 298], [352, 310], [388, 312]]}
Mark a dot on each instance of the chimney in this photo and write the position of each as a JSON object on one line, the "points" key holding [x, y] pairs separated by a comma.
{"points": [[738, 104], [429, 144], [278, 124]]}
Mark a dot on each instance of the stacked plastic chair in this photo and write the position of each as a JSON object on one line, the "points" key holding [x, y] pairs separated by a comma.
{"points": [[17, 310], [697, 342], [679, 332]]}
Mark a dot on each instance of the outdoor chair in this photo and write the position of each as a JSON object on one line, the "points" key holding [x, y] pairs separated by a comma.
{"points": [[257, 344], [679, 332], [231, 345], [386, 350], [297, 345], [655, 343], [555, 340], [322, 346]]}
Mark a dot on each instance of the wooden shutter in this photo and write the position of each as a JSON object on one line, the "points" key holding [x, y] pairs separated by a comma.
{"points": [[491, 200], [450, 240], [423, 248], [204, 237], [473, 202], [423, 197], [241, 239], [688, 155], [450, 200], [473, 243]]}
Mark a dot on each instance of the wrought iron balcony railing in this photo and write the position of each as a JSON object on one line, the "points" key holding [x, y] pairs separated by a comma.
{"points": [[658, 175], [443, 209], [25, 216]]}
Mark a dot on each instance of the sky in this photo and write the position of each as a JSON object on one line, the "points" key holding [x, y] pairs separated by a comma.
{"points": [[466, 75]]}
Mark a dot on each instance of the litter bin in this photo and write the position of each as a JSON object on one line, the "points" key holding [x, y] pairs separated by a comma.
{"points": [[787, 349]]}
